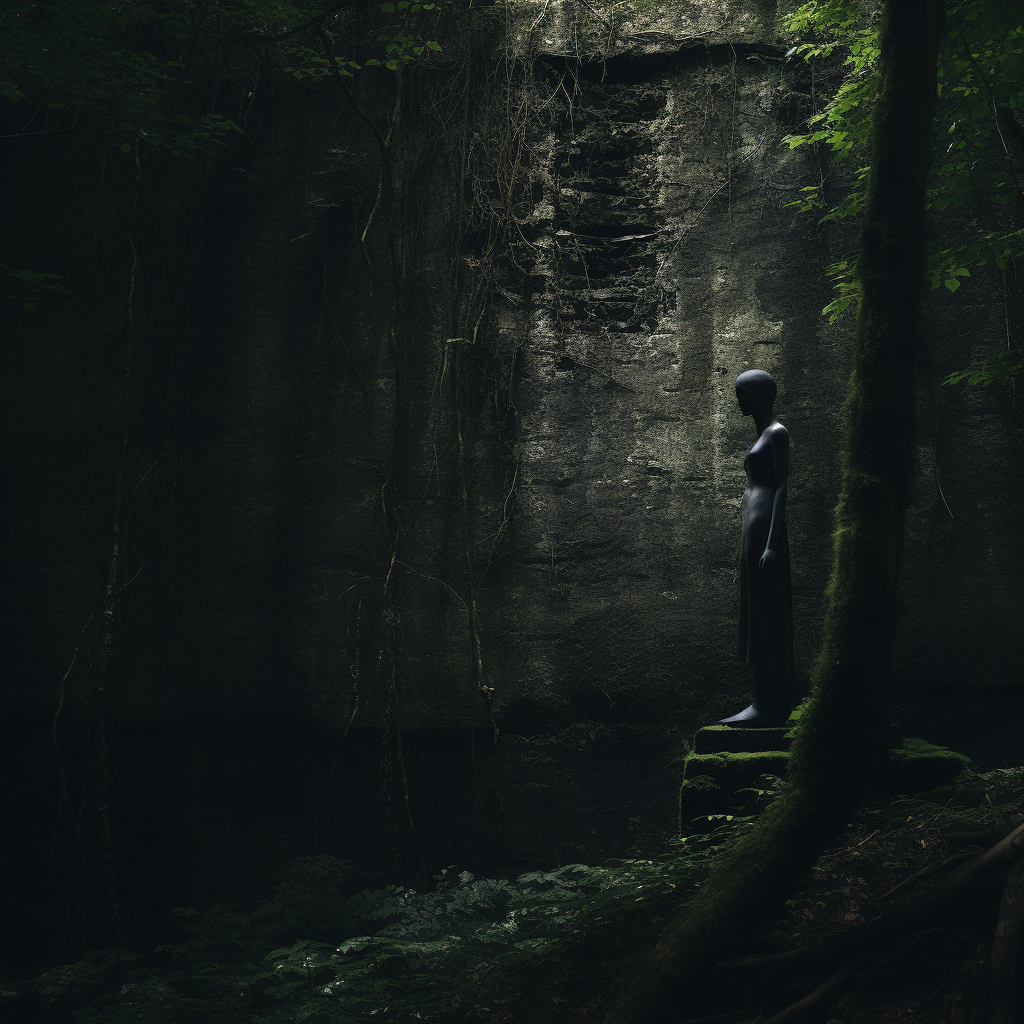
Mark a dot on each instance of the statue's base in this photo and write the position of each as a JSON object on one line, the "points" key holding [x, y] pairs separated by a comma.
{"points": [[713, 739], [728, 766]]}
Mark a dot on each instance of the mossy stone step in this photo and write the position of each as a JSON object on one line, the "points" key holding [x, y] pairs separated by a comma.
{"points": [[713, 739], [713, 783], [714, 780], [920, 766]]}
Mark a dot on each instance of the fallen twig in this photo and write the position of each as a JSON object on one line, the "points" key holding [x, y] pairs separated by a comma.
{"points": [[828, 989], [922, 871]]}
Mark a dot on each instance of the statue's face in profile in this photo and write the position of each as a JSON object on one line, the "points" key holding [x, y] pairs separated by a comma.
{"points": [[755, 390]]}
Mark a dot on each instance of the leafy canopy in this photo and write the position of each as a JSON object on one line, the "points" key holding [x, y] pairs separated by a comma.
{"points": [[981, 91], [141, 72], [90, 63]]}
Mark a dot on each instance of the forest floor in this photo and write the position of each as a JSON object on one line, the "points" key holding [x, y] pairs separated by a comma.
{"points": [[547, 947], [893, 853]]}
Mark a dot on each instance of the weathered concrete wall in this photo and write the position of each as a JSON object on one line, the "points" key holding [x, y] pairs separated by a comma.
{"points": [[668, 263], [663, 247]]}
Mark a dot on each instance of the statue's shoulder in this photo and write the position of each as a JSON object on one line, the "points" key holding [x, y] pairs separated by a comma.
{"points": [[777, 434]]}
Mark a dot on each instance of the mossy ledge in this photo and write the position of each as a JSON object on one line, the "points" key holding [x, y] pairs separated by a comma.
{"points": [[714, 783]]}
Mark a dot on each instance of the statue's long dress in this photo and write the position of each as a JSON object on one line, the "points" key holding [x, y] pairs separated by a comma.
{"points": [[766, 603]]}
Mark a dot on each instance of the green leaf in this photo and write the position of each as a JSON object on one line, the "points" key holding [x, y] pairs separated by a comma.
{"points": [[835, 309], [951, 283], [126, 147]]}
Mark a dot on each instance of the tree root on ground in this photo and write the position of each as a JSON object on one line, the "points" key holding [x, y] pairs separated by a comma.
{"points": [[887, 931], [859, 968], [904, 933], [821, 996], [928, 869]]}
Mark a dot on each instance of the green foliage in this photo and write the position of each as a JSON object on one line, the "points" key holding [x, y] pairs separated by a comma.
{"points": [[92, 60], [29, 285], [1002, 368], [846, 285], [981, 84], [845, 122], [84, 982], [140, 73], [91, 63], [322, 948], [400, 43]]}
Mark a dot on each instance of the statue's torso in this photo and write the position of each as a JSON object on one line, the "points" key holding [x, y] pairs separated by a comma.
{"points": [[759, 494], [766, 617]]}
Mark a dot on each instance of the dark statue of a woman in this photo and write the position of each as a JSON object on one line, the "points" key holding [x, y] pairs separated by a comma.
{"points": [[766, 607]]}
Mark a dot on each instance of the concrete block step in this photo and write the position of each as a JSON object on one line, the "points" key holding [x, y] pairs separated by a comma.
{"points": [[720, 780], [713, 739], [715, 783]]}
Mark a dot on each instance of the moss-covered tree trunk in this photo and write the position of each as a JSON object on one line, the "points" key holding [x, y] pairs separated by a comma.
{"points": [[840, 744]]}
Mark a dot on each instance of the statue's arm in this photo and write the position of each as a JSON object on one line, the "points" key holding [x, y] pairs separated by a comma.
{"points": [[779, 441]]}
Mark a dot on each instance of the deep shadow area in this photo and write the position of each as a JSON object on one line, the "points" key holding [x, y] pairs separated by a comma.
{"points": [[213, 812]]}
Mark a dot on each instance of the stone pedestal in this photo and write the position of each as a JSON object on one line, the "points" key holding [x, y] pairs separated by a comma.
{"points": [[727, 766], [717, 739], [724, 769]]}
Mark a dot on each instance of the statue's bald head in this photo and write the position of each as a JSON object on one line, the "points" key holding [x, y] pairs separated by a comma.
{"points": [[759, 385]]}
